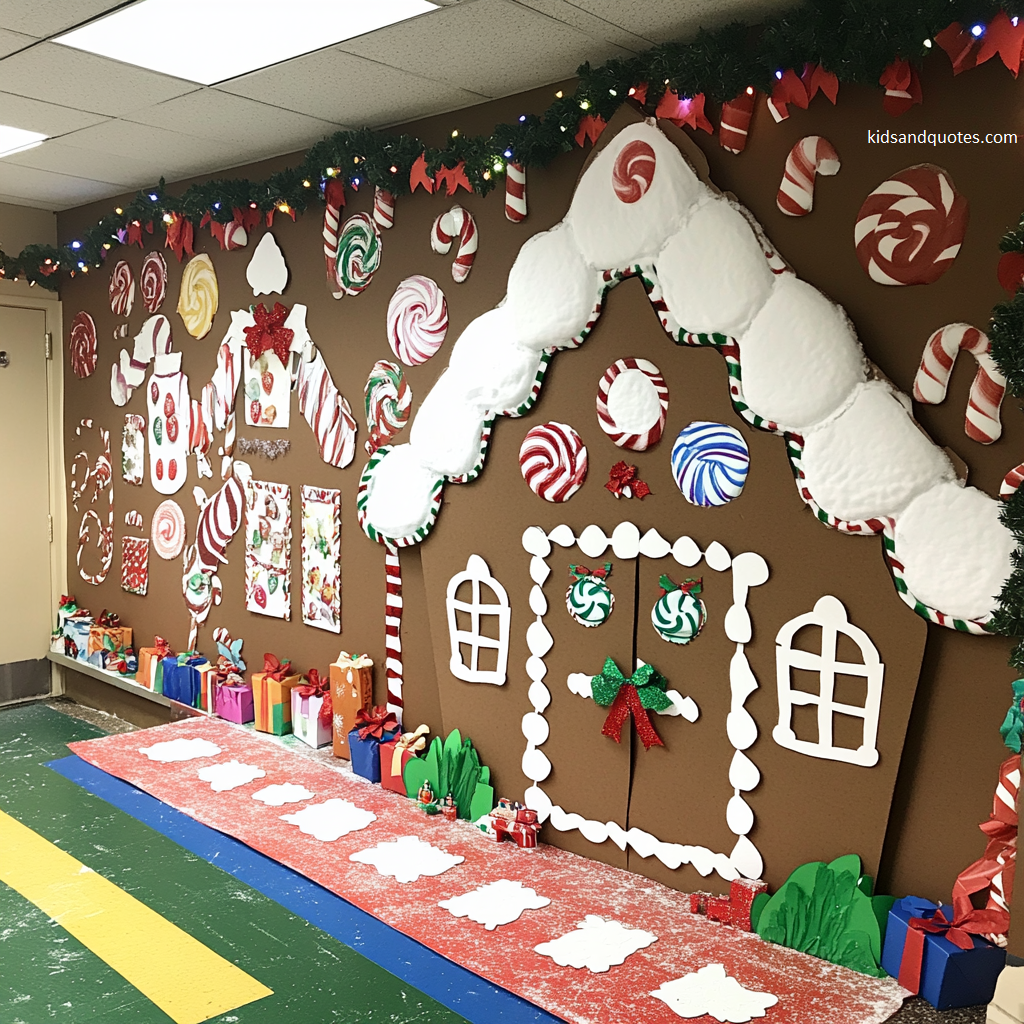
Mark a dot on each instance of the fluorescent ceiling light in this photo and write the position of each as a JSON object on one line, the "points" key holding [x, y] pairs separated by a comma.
{"points": [[15, 140], [210, 41]]}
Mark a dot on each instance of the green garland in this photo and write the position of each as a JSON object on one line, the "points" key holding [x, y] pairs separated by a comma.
{"points": [[854, 39]]}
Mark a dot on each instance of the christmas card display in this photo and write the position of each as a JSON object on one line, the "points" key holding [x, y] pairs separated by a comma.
{"points": [[321, 558], [268, 542]]}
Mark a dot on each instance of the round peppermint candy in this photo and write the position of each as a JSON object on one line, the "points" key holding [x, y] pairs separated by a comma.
{"points": [[589, 601], [553, 461], [633, 171], [153, 281], [678, 616], [710, 463], [417, 320], [83, 345], [122, 289], [358, 253], [632, 403]]}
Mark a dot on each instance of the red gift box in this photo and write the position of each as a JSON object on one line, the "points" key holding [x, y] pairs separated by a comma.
{"points": [[394, 755]]}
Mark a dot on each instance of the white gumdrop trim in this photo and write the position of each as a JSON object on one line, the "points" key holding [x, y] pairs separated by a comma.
{"points": [[748, 570]]}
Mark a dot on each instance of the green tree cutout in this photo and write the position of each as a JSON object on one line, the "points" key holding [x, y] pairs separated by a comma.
{"points": [[452, 767]]}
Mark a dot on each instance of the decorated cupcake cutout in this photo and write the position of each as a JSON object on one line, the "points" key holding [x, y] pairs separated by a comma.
{"points": [[679, 614], [588, 599]]}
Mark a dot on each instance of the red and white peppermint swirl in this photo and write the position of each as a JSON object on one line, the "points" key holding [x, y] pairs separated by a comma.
{"points": [[153, 281], [632, 403], [456, 223], [122, 289], [810, 157], [515, 192], [384, 207], [168, 529], [83, 345], [553, 461], [911, 227], [417, 320], [633, 171]]}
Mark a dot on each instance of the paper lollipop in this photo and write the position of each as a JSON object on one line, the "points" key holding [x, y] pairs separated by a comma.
{"points": [[359, 247], [199, 296], [153, 281], [83, 345], [417, 320], [388, 400], [122, 289], [632, 403], [168, 529], [679, 614], [633, 171], [710, 463], [553, 461]]}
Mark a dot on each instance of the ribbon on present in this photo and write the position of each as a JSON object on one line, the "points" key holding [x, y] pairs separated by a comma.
{"points": [[274, 669], [408, 741], [67, 603], [269, 332], [623, 481], [317, 687], [373, 724], [1013, 723], [161, 648], [642, 692], [581, 572], [108, 620], [189, 657]]}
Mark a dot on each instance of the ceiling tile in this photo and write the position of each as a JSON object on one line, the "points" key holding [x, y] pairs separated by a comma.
{"points": [[44, 18], [12, 41], [37, 116], [349, 90], [50, 72], [87, 163], [518, 47], [593, 25], [28, 186]]}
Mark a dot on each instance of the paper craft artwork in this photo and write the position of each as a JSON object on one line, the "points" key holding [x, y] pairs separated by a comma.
{"points": [[679, 614], [553, 461], [97, 479], [122, 289], [128, 373], [153, 281], [267, 272], [588, 599], [496, 903], [597, 944], [407, 858], [829, 616], [987, 389], [269, 448], [479, 581], [624, 482], [459, 224], [911, 227], [199, 295], [135, 565], [321, 558], [268, 543], [383, 207], [169, 411], [357, 255], [133, 517], [388, 402], [172, 751], [326, 410], [230, 775], [82, 345], [633, 172], [711, 992], [168, 529], [270, 338], [133, 450], [632, 403], [417, 320], [710, 462], [515, 192], [330, 820], [809, 157], [282, 793]]}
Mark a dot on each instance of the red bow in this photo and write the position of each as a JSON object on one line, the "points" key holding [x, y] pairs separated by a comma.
{"points": [[274, 669], [418, 175], [452, 179], [109, 620], [684, 110], [902, 87], [375, 723], [161, 647], [627, 700], [317, 687], [591, 126], [65, 600], [179, 235], [269, 332], [623, 481]]}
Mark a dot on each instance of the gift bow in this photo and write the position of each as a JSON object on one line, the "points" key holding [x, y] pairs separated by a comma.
{"points": [[161, 647], [67, 603], [411, 741], [274, 669], [269, 332], [109, 620], [317, 687], [624, 479], [643, 691], [581, 572], [373, 724], [187, 656]]}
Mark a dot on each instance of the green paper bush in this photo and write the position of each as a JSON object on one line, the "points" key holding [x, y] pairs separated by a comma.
{"points": [[452, 767]]}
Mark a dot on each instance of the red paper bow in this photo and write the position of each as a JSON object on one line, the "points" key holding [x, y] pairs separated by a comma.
{"points": [[452, 179], [624, 482], [902, 87], [274, 669], [161, 646], [960, 46], [684, 110], [109, 620], [269, 332], [591, 126], [317, 687], [375, 723], [1004, 37], [418, 175], [65, 600], [179, 235]]}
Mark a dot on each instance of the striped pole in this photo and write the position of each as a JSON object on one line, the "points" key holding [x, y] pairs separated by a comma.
{"points": [[515, 192], [393, 632]]}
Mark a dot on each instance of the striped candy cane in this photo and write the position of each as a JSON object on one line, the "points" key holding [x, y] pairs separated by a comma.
{"points": [[383, 207], [456, 223], [982, 422], [735, 126], [334, 197], [1004, 810], [811, 156], [1011, 482], [515, 192], [393, 632]]}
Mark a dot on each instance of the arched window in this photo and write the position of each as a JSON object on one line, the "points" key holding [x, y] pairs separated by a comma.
{"points": [[830, 617], [486, 598]]}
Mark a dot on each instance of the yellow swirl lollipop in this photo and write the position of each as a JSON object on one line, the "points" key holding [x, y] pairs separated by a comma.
{"points": [[197, 300]]}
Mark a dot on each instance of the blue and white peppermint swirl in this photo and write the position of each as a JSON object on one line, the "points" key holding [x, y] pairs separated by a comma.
{"points": [[710, 463], [678, 616]]}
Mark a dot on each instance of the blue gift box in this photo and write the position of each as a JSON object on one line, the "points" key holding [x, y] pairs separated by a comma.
{"points": [[950, 976], [182, 682], [366, 754]]}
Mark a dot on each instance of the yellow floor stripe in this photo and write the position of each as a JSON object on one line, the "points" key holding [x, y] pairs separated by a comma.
{"points": [[186, 979]]}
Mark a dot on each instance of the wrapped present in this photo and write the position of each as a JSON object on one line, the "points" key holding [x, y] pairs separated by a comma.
{"points": [[395, 752], [182, 678], [209, 678], [372, 728], [76, 630], [351, 691], [271, 695], [67, 608], [234, 701], [311, 710], [150, 673], [108, 625], [57, 641], [939, 954]]}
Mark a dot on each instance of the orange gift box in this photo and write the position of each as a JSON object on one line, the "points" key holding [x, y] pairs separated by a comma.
{"points": [[120, 635], [351, 691], [272, 695]]}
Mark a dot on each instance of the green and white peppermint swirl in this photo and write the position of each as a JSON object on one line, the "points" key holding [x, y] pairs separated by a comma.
{"points": [[358, 257], [678, 616], [589, 601]]}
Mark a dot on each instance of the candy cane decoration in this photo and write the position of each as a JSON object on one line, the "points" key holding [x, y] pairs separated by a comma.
{"points": [[383, 208], [1011, 482], [982, 423], [456, 223], [393, 632], [326, 411], [735, 126], [1005, 809], [811, 156], [334, 197], [102, 476], [515, 192]]}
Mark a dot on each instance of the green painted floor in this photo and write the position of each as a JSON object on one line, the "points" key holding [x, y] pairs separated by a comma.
{"points": [[46, 975]]}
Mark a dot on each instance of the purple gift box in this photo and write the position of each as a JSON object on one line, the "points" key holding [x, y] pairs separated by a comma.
{"points": [[234, 703]]}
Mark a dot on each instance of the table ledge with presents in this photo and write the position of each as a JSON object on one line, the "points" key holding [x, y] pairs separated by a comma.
{"points": [[122, 682]]}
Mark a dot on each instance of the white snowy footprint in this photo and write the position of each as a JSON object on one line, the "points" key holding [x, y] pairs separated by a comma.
{"points": [[330, 820], [496, 903], [180, 750], [596, 944], [407, 859], [713, 992], [284, 793], [230, 775]]}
